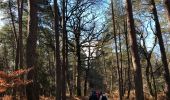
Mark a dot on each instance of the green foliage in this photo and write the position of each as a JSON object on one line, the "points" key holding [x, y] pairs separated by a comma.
{"points": [[96, 80]]}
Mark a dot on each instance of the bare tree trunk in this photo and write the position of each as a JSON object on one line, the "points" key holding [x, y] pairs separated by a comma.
{"points": [[20, 38], [78, 53], [117, 57], [167, 4], [148, 78], [162, 49], [68, 77], [121, 65], [128, 58], [57, 53], [31, 56], [74, 82], [134, 52], [87, 70], [78, 68], [17, 55], [64, 51], [154, 84]]}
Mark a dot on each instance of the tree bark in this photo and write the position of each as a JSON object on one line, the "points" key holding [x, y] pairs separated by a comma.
{"points": [[167, 4], [57, 53], [128, 58], [162, 49], [134, 52], [64, 51], [31, 56], [78, 53], [121, 65], [116, 50], [87, 70], [20, 38]]}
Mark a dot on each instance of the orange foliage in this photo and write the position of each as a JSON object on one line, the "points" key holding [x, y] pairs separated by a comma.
{"points": [[3, 74], [11, 80], [19, 72], [2, 89]]}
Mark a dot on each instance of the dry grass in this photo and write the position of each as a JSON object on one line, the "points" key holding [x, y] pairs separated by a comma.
{"points": [[114, 96], [9, 97], [160, 96]]}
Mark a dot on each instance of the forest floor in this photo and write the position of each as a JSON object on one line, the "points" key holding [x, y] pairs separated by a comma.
{"points": [[114, 96]]}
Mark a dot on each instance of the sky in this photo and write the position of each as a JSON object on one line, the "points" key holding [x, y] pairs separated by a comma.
{"points": [[1, 22]]}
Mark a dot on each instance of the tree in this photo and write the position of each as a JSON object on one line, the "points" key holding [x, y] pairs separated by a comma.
{"points": [[58, 62], [162, 48], [134, 52], [128, 58], [64, 50], [20, 33], [167, 4], [149, 70], [31, 55], [116, 50]]}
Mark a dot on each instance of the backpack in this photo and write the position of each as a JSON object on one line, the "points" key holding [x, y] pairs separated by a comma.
{"points": [[93, 96], [104, 98]]}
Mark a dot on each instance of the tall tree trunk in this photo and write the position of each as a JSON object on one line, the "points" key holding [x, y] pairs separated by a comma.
{"points": [[87, 70], [78, 54], [149, 70], [74, 82], [162, 48], [78, 71], [148, 78], [116, 50], [68, 76], [17, 55], [154, 83], [31, 56], [121, 65], [134, 52], [148, 67], [167, 4], [128, 58], [57, 53], [64, 50], [20, 38]]}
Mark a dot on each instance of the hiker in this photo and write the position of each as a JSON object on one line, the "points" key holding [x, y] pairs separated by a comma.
{"points": [[98, 95], [93, 96], [103, 96]]}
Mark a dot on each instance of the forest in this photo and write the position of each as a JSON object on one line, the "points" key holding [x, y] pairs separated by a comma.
{"points": [[67, 49]]}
